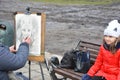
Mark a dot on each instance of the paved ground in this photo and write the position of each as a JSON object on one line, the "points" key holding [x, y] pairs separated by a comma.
{"points": [[35, 68], [35, 71]]}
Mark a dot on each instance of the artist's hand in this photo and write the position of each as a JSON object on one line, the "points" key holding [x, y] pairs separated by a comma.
{"points": [[12, 49], [27, 40]]}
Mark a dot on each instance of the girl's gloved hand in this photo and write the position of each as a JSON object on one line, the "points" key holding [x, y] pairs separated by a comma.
{"points": [[86, 77]]}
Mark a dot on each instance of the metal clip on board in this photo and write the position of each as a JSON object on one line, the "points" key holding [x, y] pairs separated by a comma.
{"points": [[28, 11]]}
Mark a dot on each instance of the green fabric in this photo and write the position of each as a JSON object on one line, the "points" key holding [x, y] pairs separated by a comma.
{"points": [[7, 36]]}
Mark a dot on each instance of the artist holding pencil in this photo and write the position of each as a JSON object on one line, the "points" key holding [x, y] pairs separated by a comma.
{"points": [[10, 61]]}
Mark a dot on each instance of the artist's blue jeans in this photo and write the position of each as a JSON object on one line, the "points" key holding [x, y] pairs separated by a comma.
{"points": [[86, 77]]}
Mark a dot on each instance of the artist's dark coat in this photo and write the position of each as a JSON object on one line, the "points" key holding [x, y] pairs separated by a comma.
{"points": [[10, 61]]}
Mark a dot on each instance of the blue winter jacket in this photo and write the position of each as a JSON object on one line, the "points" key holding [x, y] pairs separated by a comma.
{"points": [[10, 61]]}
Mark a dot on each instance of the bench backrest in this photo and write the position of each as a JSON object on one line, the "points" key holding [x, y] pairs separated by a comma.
{"points": [[92, 47]]}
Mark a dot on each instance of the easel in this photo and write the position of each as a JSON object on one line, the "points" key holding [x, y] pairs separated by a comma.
{"points": [[40, 58]]}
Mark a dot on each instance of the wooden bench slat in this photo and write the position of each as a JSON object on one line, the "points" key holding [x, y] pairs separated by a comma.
{"points": [[93, 55], [91, 43], [88, 46], [73, 72], [67, 74]]}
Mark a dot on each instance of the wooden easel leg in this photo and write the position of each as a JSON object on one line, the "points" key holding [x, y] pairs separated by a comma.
{"points": [[29, 70], [41, 71]]}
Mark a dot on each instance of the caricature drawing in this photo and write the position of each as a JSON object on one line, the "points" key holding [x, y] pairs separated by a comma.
{"points": [[29, 26]]}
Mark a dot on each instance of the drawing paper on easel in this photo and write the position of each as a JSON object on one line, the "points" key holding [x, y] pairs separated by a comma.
{"points": [[29, 25]]}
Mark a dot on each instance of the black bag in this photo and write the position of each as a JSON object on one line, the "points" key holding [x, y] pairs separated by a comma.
{"points": [[82, 61], [76, 59], [68, 60]]}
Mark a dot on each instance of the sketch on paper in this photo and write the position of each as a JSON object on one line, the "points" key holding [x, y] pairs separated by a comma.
{"points": [[29, 25]]}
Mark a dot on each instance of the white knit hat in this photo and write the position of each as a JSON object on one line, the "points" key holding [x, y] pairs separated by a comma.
{"points": [[113, 29]]}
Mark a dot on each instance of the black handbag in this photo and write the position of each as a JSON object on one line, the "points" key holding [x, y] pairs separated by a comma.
{"points": [[82, 61]]}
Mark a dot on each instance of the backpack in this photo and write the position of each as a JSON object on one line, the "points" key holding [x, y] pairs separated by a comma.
{"points": [[68, 60]]}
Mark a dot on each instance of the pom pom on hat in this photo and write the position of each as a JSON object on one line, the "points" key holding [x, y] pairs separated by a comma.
{"points": [[113, 29]]}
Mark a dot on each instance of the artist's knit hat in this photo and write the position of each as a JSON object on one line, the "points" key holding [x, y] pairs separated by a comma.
{"points": [[113, 29]]}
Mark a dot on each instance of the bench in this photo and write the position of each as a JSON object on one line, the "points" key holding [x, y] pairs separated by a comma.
{"points": [[70, 73]]}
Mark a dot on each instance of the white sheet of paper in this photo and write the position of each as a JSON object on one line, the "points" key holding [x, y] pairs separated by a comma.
{"points": [[29, 25]]}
